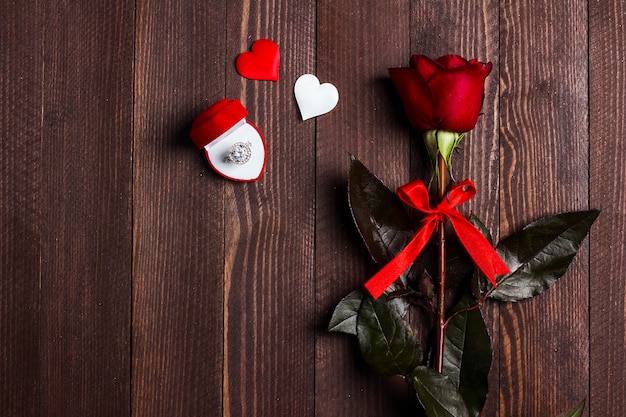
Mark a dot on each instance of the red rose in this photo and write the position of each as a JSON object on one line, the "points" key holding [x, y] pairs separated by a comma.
{"points": [[444, 94]]}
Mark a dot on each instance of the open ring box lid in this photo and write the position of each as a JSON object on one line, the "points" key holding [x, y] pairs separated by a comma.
{"points": [[221, 126]]}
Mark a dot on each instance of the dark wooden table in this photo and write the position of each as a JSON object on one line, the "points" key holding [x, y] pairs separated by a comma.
{"points": [[137, 282]]}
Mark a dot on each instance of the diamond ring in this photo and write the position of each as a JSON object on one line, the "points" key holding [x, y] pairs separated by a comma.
{"points": [[239, 153]]}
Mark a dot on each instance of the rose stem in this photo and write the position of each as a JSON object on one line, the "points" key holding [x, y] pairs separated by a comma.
{"points": [[442, 180]]}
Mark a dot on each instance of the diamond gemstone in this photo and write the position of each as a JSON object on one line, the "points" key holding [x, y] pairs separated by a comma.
{"points": [[239, 153]]}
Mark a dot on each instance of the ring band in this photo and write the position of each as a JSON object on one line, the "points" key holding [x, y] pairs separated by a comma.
{"points": [[239, 153]]}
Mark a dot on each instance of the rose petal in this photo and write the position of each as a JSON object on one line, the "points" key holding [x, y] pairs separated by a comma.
{"points": [[452, 61], [457, 96], [415, 95], [442, 94], [426, 67]]}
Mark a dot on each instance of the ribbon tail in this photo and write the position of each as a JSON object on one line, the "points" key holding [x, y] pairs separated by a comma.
{"points": [[478, 247], [379, 283]]}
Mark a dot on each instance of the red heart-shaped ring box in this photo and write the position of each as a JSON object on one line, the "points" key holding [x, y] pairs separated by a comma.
{"points": [[234, 147]]}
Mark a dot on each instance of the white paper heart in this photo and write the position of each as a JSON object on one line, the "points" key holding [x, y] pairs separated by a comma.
{"points": [[314, 99]]}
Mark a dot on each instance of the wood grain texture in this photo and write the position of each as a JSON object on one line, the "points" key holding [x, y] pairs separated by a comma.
{"points": [[86, 202], [607, 84], [544, 170], [21, 74], [356, 44], [268, 293], [178, 262]]}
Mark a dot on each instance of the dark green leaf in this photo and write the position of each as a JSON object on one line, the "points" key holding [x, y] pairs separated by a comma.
{"points": [[396, 298], [539, 254], [437, 393], [380, 217], [479, 284], [426, 286], [457, 269], [399, 304], [467, 355], [574, 412], [478, 224], [402, 292], [387, 342], [344, 316], [343, 319], [378, 213]]}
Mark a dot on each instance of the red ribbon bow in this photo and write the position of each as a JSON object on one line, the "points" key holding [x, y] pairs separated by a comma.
{"points": [[480, 250]]}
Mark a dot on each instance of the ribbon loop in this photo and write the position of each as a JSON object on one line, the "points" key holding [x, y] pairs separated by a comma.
{"points": [[460, 193], [415, 194]]}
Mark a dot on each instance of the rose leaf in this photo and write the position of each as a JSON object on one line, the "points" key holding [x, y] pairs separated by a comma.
{"points": [[378, 214], [467, 355], [437, 393], [344, 316], [387, 342], [540, 253]]}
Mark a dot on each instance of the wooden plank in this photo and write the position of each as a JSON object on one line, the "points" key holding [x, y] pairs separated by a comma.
{"points": [[178, 212], [21, 72], [269, 298], [544, 169], [86, 236], [474, 35], [356, 45], [607, 297]]}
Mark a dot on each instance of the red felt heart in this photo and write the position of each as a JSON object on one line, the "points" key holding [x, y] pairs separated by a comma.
{"points": [[261, 63]]}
